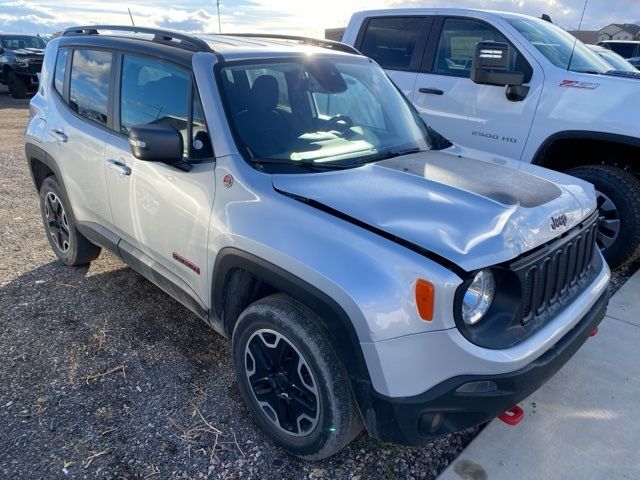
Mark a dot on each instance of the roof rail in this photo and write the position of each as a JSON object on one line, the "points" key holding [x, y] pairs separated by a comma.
{"points": [[159, 35], [316, 42]]}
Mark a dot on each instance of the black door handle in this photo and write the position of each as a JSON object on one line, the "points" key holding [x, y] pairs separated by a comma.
{"points": [[432, 91]]}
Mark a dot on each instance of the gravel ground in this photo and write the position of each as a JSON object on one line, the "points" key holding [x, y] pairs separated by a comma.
{"points": [[102, 375]]}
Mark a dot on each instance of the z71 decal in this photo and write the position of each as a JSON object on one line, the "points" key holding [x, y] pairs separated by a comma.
{"points": [[577, 84]]}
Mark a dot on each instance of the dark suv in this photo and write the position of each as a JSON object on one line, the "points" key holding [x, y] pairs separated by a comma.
{"points": [[20, 63]]}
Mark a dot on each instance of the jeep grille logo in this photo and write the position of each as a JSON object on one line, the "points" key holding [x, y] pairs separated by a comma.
{"points": [[560, 221]]}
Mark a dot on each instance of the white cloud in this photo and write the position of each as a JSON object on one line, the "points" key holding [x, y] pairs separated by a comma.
{"points": [[282, 16]]}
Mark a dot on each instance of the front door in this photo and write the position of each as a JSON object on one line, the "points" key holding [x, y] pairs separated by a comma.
{"points": [[160, 210], [477, 116]]}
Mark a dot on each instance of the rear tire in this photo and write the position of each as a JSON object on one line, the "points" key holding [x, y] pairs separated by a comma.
{"points": [[619, 206], [69, 245], [291, 379], [16, 85]]}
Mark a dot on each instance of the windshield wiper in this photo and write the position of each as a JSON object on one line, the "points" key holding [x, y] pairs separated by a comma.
{"points": [[310, 164], [389, 154]]}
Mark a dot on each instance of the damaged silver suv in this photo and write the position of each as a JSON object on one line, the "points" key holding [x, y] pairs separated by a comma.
{"points": [[367, 272]]}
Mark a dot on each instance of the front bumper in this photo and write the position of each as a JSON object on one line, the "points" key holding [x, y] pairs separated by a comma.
{"points": [[443, 409]]}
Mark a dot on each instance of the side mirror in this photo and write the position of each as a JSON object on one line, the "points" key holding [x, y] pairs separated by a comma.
{"points": [[491, 64], [156, 143]]}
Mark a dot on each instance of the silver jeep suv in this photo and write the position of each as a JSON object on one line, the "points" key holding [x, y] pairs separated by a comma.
{"points": [[367, 271]]}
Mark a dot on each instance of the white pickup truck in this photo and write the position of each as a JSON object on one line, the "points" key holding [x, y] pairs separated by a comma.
{"points": [[552, 102]]}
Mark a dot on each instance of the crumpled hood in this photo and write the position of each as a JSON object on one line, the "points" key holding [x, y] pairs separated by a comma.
{"points": [[471, 212]]}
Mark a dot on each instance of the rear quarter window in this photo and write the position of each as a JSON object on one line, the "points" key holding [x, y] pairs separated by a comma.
{"points": [[60, 70]]}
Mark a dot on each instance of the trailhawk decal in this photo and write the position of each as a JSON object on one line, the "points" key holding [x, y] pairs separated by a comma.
{"points": [[188, 263], [577, 84]]}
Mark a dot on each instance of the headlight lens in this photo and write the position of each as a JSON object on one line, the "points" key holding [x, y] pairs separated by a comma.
{"points": [[478, 297]]}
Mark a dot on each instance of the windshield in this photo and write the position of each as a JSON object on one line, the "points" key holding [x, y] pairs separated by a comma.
{"points": [[557, 46], [22, 41], [617, 62], [319, 110]]}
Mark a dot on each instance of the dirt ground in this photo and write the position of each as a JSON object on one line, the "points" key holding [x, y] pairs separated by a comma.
{"points": [[102, 375]]}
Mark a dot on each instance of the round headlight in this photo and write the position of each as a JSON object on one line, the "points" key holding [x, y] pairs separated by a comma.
{"points": [[478, 297]]}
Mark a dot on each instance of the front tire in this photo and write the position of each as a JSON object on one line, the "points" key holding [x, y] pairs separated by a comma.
{"points": [[69, 245], [619, 209], [16, 85], [291, 379]]}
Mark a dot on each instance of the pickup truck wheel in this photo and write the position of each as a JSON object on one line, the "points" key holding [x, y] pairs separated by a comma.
{"points": [[291, 379], [16, 85], [69, 245], [619, 206]]}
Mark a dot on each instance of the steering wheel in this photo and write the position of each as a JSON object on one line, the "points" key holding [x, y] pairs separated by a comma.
{"points": [[333, 121]]}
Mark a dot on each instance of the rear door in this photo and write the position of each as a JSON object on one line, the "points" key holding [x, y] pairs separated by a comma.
{"points": [[397, 44], [160, 211], [78, 128], [477, 116]]}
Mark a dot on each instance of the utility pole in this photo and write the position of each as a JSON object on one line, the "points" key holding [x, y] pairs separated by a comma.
{"points": [[219, 24]]}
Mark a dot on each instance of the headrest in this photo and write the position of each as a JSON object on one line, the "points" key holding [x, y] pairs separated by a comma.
{"points": [[264, 93]]}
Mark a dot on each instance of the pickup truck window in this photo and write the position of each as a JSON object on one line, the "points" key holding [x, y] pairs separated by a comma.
{"points": [[17, 42], [626, 50], [558, 46], [89, 87], [457, 45], [393, 41], [337, 111]]}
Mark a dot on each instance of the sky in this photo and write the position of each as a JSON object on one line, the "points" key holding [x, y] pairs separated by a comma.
{"points": [[301, 17]]}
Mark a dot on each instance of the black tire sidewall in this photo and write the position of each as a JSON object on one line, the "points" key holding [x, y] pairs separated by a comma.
{"points": [[619, 186], [17, 88], [332, 432], [50, 184]]}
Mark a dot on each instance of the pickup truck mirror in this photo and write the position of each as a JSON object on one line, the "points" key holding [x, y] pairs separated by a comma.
{"points": [[491, 64], [156, 143]]}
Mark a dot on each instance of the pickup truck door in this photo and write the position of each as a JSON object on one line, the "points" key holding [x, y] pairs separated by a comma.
{"points": [[397, 45], [162, 213], [476, 116]]}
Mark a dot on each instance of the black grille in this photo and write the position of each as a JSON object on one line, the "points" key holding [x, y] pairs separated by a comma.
{"points": [[553, 273]]}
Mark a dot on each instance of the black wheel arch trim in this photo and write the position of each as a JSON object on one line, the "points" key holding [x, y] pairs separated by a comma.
{"points": [[626, 140], [34, 154], [335, 320]]}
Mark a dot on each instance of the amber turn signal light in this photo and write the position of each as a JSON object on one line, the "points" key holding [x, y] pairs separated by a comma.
{"points": [[424, 299]]}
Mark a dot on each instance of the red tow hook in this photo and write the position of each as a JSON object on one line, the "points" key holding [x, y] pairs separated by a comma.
{"points": [[513, 416], [594, 332]]}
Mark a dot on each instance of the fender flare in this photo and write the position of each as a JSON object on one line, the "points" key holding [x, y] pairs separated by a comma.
{"points": [[335, 320], [583, 135]]}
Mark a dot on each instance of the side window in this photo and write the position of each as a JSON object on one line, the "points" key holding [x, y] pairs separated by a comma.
{"points": [[157, 92], [392, 41], [457, 45], [61, 69], [357, 101], [154, 92], [89, 87]]}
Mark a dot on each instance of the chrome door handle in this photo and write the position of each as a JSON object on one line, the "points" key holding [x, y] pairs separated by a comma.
{"points": [[119, 167], [59, 135]]}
